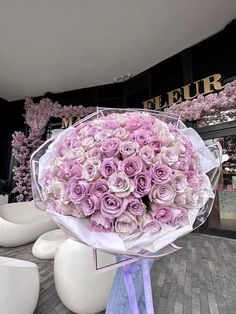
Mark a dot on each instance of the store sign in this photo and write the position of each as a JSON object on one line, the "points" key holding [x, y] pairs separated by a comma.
{"points": [[204, 86]]}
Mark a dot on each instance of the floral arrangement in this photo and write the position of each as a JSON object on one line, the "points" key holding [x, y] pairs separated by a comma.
{"points": [[36, 117], [127, 182], [124, 173], [193, 110]]}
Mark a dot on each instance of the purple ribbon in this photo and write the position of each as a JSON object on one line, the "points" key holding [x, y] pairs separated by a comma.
{"points": [[128, 271], [147, 286]]}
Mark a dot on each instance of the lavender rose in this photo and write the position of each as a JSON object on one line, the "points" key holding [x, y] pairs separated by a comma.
{"points": [[168, 156], [179, 182], [78, 189], [76, 153], [202, 182], [162, 194], [129, 149], [132, 166], [69, 169], [120, 184], [102, 135], [121, 133], [88, 142], [182, 165], [126, 223], [91, 169], [112, 206], [109, 166], [89, 204], [147, 155], [110, 147], [155, 144], [149, 224], [192, 177], [100, 224], [142, 184], [136, 207], [161, 213], [192, 198], [160, 173], [99, 188], [141, 137], [178, 216], [94, 153]]}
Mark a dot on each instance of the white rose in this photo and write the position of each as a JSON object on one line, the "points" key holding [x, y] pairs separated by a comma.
{"points": [[120, 184]]}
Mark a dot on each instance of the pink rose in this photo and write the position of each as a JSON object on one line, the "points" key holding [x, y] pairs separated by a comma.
{"points": [[129, 149], [88, 143], [102, 135], [155, 144], [160, 173], [141, 137], [112, 206], [66, 209], [92, 131], [178, 216], [192, 198], [89, 204], [149, 224], [94, 153], [179, 182], [134, 122], [100, 224], [60, 207], [69, 169], [147, 155], [99, 188], [136, 207], [109, 166], [76, 153], [166, 137], [168, 155], [126, 223], [202, 182], [180, 199], [121, 133], [77, 211], [182, 165], [192, 177], [132, 166], [161, 213], [56, 187], [110, 147], [78, 189], [111, 123], [91, 169], [162, 194], [120, 184], [142, 184]]}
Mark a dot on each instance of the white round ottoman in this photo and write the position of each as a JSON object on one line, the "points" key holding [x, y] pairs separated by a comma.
{"points": [[46, 245], [19, 286], [79, 288]]}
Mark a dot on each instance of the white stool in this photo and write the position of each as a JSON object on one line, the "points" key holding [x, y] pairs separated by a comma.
{"points": [[79, 288], [22, 223], [46, 245], [19, 286]]}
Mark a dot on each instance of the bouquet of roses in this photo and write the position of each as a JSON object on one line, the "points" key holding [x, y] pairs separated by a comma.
{"points": [[125, 180]]}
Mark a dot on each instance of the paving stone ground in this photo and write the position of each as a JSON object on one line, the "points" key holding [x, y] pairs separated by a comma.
{"points": [[199, 279]]}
